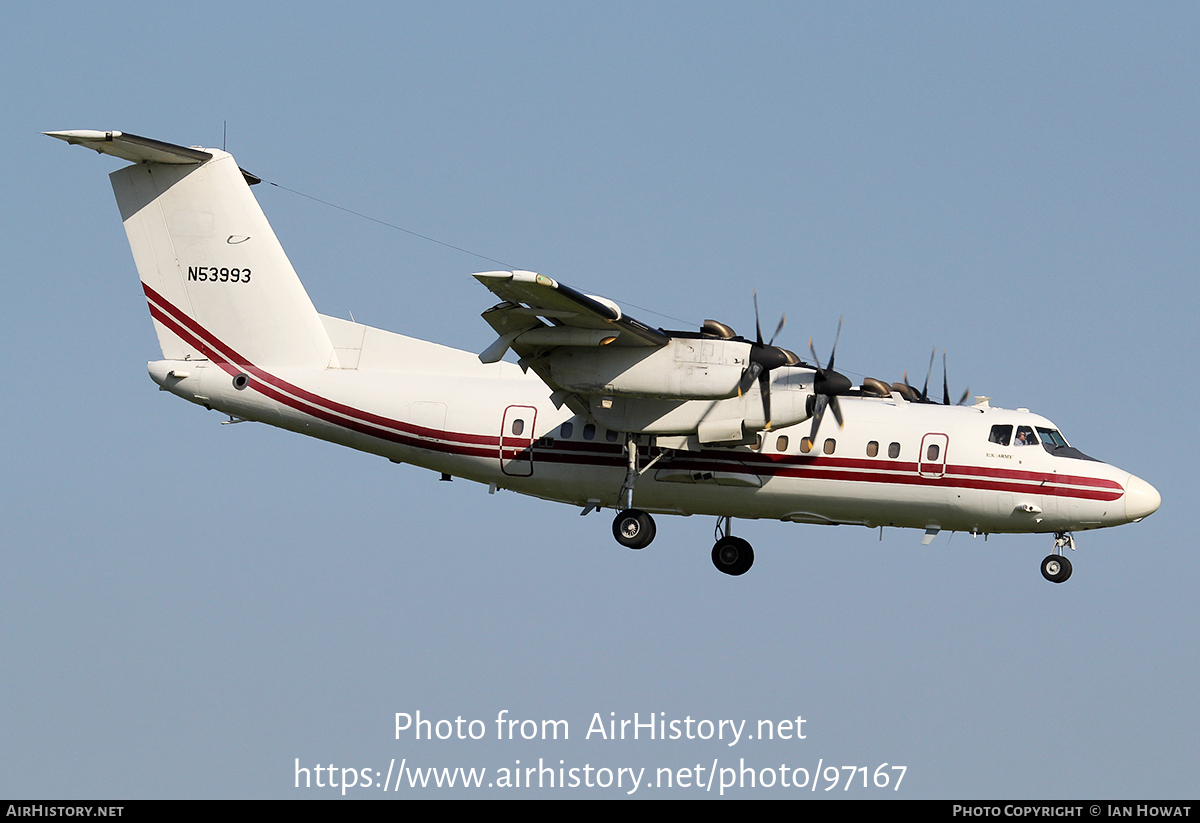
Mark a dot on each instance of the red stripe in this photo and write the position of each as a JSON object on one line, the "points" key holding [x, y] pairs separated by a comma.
{"points": [[818, 470], [808, 467], [983, 471], [269, 391], [211, 345], [1072, 479]]}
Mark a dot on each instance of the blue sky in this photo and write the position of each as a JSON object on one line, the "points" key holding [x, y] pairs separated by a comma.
{"points": [[188, 608]]}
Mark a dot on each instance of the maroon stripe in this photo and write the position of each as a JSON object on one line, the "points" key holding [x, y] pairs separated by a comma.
{"points": [[982, 471], [813, 468], [232, 356], [1013, 474], [817, 472], [269, 391]]}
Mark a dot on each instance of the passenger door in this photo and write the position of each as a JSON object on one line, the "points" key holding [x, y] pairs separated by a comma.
{"points": [[516, 441], [932, 459]]}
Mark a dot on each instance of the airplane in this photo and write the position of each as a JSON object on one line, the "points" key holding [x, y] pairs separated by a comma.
{"points": [[600, 409]]}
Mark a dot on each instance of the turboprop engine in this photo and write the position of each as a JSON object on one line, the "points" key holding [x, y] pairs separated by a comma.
{"points": [[726, 420], [686, 368]]}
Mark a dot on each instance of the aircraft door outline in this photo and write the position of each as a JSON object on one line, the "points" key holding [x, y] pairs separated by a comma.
{"points": [[516, 441], [931, 462]]}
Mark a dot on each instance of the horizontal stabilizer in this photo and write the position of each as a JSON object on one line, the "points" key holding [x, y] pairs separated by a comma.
{"points": [[132, 147]]}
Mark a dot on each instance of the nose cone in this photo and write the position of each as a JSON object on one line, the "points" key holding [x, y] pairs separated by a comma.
{"points": [[1141, 499]]}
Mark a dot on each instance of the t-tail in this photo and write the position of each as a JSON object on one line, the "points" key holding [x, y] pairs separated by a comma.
{"points": [[219, 285]]}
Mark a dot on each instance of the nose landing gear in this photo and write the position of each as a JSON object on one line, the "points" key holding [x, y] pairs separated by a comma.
{"points": [[1056, 567]]}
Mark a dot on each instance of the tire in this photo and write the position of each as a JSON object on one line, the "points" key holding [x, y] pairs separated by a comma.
{"points": [[1056, 568], [732, 556], [1066, 566], [634, 529]]}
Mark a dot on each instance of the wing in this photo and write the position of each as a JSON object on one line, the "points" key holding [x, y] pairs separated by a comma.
{"points": [[539, 314]]}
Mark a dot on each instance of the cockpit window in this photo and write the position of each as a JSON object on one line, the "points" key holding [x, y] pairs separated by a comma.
{"points": [[1051, 437], [1054, 443], [1001, 435], [1025, 437]]}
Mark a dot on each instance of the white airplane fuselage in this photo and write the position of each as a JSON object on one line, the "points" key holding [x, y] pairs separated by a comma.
{"points": [[449, 417]]}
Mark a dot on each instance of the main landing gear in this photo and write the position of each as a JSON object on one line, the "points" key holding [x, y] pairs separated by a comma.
{"points": [[1056, 567], [633, 528], [731, 555]]}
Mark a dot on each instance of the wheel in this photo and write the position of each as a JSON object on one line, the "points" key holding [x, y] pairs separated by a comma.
{"points": [[732, 555], [1056, 568], [633, 529]]}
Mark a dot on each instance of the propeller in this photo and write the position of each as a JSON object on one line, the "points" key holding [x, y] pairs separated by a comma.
{"points": [[827, 385], [913, 395], [946, 386], [763, 358]]}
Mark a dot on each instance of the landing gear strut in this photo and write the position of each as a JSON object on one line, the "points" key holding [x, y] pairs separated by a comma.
{"points": [[731, 555], [633, 528], [1056, 567]]}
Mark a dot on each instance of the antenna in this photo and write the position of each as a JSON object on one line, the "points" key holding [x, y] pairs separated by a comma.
{"points": [[224, 133]]}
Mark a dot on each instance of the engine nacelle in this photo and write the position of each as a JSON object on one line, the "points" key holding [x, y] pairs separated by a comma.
{"points": [[714, 420], [686, 368]]}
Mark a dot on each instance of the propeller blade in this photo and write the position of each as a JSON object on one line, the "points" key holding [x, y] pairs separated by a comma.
{"points": [[925, 390], [836, 338], [764, 388], [778, 329], [748, 377], [818, 413], [837, 411], [945, 382], [963, 399], [757, 328]]}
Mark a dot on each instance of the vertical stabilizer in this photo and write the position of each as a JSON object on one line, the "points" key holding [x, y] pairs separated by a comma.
{"points": [[217, 280]]}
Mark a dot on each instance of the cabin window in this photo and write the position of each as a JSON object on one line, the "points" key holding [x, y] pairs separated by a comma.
{"points": [[589, 431], [518, 426], [931, 453], [830, 445], [781, 443], [610, 436], [894, 450], [1001, 435], [1025, 437], [806, 445], [873, 448], [567, 430]]}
